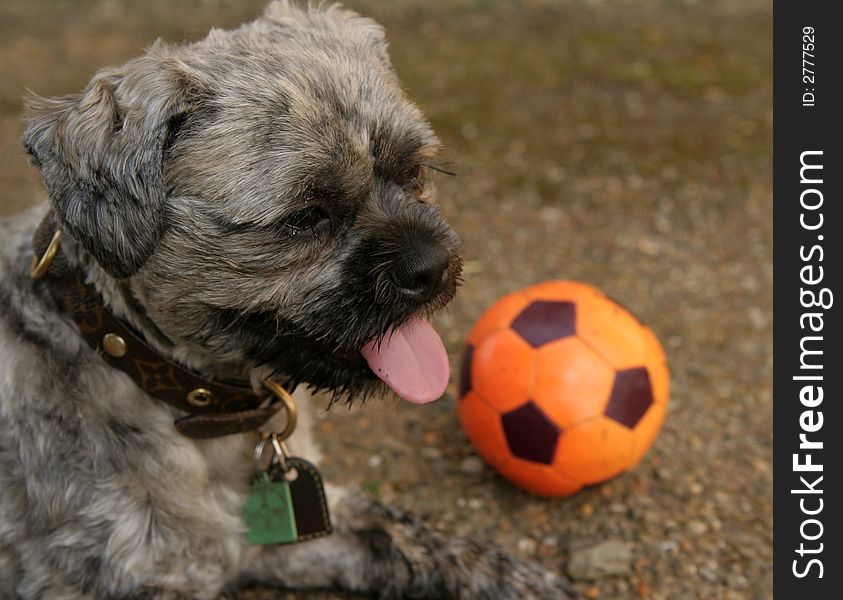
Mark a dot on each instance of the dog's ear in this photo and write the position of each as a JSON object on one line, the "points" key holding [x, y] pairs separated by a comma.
{"points": [[101, 155]]}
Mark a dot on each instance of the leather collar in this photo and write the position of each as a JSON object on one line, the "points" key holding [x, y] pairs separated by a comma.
{"points": [[214, 408]]}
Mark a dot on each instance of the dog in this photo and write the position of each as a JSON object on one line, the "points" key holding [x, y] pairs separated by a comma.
{"points": [[254, 207]]}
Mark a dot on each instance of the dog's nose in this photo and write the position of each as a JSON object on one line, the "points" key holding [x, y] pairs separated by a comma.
{"points": [[420, 272]]}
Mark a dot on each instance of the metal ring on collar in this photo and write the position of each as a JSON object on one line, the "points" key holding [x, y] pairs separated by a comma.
{"points": [[40, 266], [289, 405], [280, 451]]}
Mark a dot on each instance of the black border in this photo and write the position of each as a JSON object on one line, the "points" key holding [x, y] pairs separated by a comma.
{"points": [[798, 128]]}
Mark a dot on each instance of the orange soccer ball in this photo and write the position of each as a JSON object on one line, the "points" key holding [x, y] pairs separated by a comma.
{"points": [[561, 387]]}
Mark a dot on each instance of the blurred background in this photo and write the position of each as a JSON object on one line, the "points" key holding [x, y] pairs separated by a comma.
{"points": [[626, 144]]}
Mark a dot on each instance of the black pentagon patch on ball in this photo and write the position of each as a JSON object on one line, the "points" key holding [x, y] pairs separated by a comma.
{"points": [[465, 370], [530, 434], [546, 321], [631, 396]]}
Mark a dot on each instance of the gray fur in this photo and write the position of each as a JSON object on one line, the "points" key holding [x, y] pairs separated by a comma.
{"points": [[240, 201]]}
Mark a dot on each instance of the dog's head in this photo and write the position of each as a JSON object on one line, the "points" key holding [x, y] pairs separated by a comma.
{"points": [[265, 194]]}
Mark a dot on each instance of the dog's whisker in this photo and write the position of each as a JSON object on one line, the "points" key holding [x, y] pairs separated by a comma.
{"points": [[439, 169]]}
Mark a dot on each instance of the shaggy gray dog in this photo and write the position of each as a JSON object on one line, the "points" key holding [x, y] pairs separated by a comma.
{"points": [[253, 204]]}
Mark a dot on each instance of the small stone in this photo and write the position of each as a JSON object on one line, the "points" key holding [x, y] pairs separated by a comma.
{"points": [[551, 214], [430, 437], [722, 499], [697, 528], [663, 473], [648, 246], [555, 174], [606, 559], [475, 503], [375, 461], [471, 465], [671, 524], [527, 546], [651, 517], [431, 452], [757, 318], [738, 582]]}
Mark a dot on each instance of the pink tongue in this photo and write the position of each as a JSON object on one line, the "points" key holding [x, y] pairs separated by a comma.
{"points": [[412, 361]]}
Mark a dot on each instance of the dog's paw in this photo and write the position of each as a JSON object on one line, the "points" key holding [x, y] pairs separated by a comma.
{"points": [[530, 580], [477, 571], [158, 594], [415, 561]]}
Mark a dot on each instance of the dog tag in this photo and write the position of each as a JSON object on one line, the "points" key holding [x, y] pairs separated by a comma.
{"points": [[269, 512], [286, 506], [310, 506]]}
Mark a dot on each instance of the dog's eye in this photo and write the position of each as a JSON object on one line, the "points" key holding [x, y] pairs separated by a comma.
{"points": [[410, 176], [313, 219]]}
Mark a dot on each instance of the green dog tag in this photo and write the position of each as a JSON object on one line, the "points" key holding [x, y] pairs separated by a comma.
{"points": [[269, 514], [286, 506]]}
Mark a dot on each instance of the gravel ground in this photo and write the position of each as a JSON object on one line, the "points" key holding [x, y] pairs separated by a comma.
{"points": [[625, 144]]}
